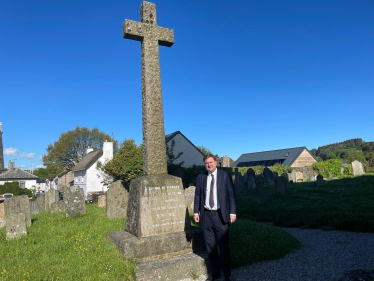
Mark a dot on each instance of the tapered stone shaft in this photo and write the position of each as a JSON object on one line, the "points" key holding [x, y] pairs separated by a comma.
{"points": [[150, 35]]}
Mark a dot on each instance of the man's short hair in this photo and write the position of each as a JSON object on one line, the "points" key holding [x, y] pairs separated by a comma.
{"points": [[206, 156]]}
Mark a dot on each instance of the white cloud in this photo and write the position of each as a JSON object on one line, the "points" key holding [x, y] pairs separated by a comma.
{"points": [[27, 155], [41, 158], [10, 151], [22, 166], [39, 166]]}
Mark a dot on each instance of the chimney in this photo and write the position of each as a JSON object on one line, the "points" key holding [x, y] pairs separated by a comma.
{"points": [[108, 150], [1, 149], [89, 149], [11, 166]]}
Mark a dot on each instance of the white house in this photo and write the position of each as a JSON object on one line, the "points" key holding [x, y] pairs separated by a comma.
{"points": [[85, 172], [191, 154], [25, 179]]}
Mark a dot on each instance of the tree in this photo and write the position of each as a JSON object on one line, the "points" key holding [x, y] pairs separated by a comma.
{"points": [[71, 147], [127, 163], [42, 173], [173, 167], [204, 150]]}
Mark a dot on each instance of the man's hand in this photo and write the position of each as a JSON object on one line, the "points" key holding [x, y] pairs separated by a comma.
{"points": [[196, 218], [232, 218]]}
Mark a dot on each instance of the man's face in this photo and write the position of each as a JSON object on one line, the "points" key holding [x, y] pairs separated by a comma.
{"points": [[210, 164]]}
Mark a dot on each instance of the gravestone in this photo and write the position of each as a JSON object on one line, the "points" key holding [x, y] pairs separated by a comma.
{"points": [[260, 180], [319, 177], [190, 197], [16, 225], [292, 176], [320, 182], [117, 198], [57, 207], [269, 177], [281, 185], [251, 179], [285, 175], [275, 175], [51, 196], [74, 201], [2, 215], [299, 176], [101, 202], [238, 183], [40, 202], [357, 168], [18, 204], [157, 219]]}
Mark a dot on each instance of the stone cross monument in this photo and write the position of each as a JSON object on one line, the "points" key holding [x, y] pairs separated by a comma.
{"points": [[150, 35], [1, 150]]}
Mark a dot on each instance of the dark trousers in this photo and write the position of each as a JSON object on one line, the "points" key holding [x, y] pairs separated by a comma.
{"points": [[216, 233]]}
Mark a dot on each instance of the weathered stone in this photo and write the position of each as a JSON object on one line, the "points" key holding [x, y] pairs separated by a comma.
{"points": [[18, 204], [354, 275], [281, 185], [151, 35], [2, 215], [319, 177], [269, 177], [260, 180], [74, 201], [117, 198], [16, 225], [357, 168], [101, 203], [251, 179], [285, 175], [275, 175], [157, 205], [57, 207], [40, 202], [292, 176], [320, 182], [190, 197], [238, 183], [299, 177], [51, 196]]}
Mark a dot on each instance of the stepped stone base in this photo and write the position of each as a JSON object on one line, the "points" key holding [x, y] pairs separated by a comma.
{"points": [[174, 268]]}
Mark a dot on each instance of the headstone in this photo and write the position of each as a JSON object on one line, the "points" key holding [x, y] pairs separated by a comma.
{"points": [[299, 177], [251, 179], [260, 180], [190, 196], [238, 183], [285, 175], [292, 176], [269, 177], [101, 202], [117, 198], [281, 185], [40, 202], [319, 177], [57, 207], [18, 204], [74, 201], [320, 182], [2, 215], [51, 196], [16, 225], [275, 175], [357, 168]]}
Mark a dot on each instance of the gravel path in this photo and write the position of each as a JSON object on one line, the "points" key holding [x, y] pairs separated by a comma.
{"points": [[322, 255]]}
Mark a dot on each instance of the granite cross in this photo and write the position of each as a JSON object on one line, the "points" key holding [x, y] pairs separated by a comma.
{"points": [[150, 35]]}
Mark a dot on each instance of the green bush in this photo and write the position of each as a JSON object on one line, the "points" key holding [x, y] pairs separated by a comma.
{"points": [[280, 169], [328, 169], [348, 171], [13, 187]]}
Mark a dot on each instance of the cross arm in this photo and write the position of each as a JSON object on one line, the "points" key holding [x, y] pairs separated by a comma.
{"points": [[133, 30], [165, 36]]}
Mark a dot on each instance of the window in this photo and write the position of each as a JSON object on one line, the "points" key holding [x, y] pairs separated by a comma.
{"points": [[76, 179], [22, 184], [82, 179]]}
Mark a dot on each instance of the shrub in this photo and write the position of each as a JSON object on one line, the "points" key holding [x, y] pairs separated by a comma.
{"points": [[13, 187], [328, 169], [348, 171], [280, 169]]}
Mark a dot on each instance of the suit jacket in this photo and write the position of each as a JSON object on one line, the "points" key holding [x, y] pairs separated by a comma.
{"points": [[225, 194]]}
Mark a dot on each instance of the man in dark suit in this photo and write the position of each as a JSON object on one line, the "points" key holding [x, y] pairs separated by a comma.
{"points": [[215, 207]]}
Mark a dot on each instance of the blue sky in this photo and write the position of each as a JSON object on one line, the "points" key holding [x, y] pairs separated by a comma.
{"points": [[242, 76]]}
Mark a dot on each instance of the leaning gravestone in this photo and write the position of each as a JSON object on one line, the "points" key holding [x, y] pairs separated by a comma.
{"points": [[251, 179], [16, 205], [101, 202], [190, 197], [16, 225], [57, 207], [117, 198], [74, 201], [40, 202], [281, 185], [269, 177], [157, 219], [357, 168]]}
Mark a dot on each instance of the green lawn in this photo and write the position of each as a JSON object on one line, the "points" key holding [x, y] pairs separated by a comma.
{"points": [[337, 205], [60, 248]]}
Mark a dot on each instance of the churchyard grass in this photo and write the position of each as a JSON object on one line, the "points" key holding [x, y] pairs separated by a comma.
{"points": [[60, 248], [343, 204]]}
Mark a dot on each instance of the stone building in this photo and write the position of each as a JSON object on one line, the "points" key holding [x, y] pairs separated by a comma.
{"points": [[294, 157], [224, 161], [25, 179]]}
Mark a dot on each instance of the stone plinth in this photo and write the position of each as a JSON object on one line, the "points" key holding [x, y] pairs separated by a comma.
{"points": [[156, 206], [74, 201], [117, 197], [16, 205], [16, 225]]}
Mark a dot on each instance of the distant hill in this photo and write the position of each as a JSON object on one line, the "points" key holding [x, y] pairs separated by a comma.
{"points": [[349, 150]]}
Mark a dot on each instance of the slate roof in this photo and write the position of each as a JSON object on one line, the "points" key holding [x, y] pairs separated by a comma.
{"points": [[169, 137], [88, 160], [17, 174], [285, 156]]}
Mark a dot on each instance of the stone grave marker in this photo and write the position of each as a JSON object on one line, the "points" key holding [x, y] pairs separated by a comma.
{"points": [[251, 179], [269, 177], [275, 175], [238, 183], [285, 175], [281, 185], [157, 220], [190, 197], [16, 225], [16, 205], [292, 176], [260, 180], [117, 198], [74, 201], [101, 202], [357, 168], [2, 215], [299, 177], [51, 196], [58, 206], [40, 202]]}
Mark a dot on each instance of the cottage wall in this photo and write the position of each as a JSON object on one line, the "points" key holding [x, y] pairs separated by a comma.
{"points": [[29, 183], [305, 159]]}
